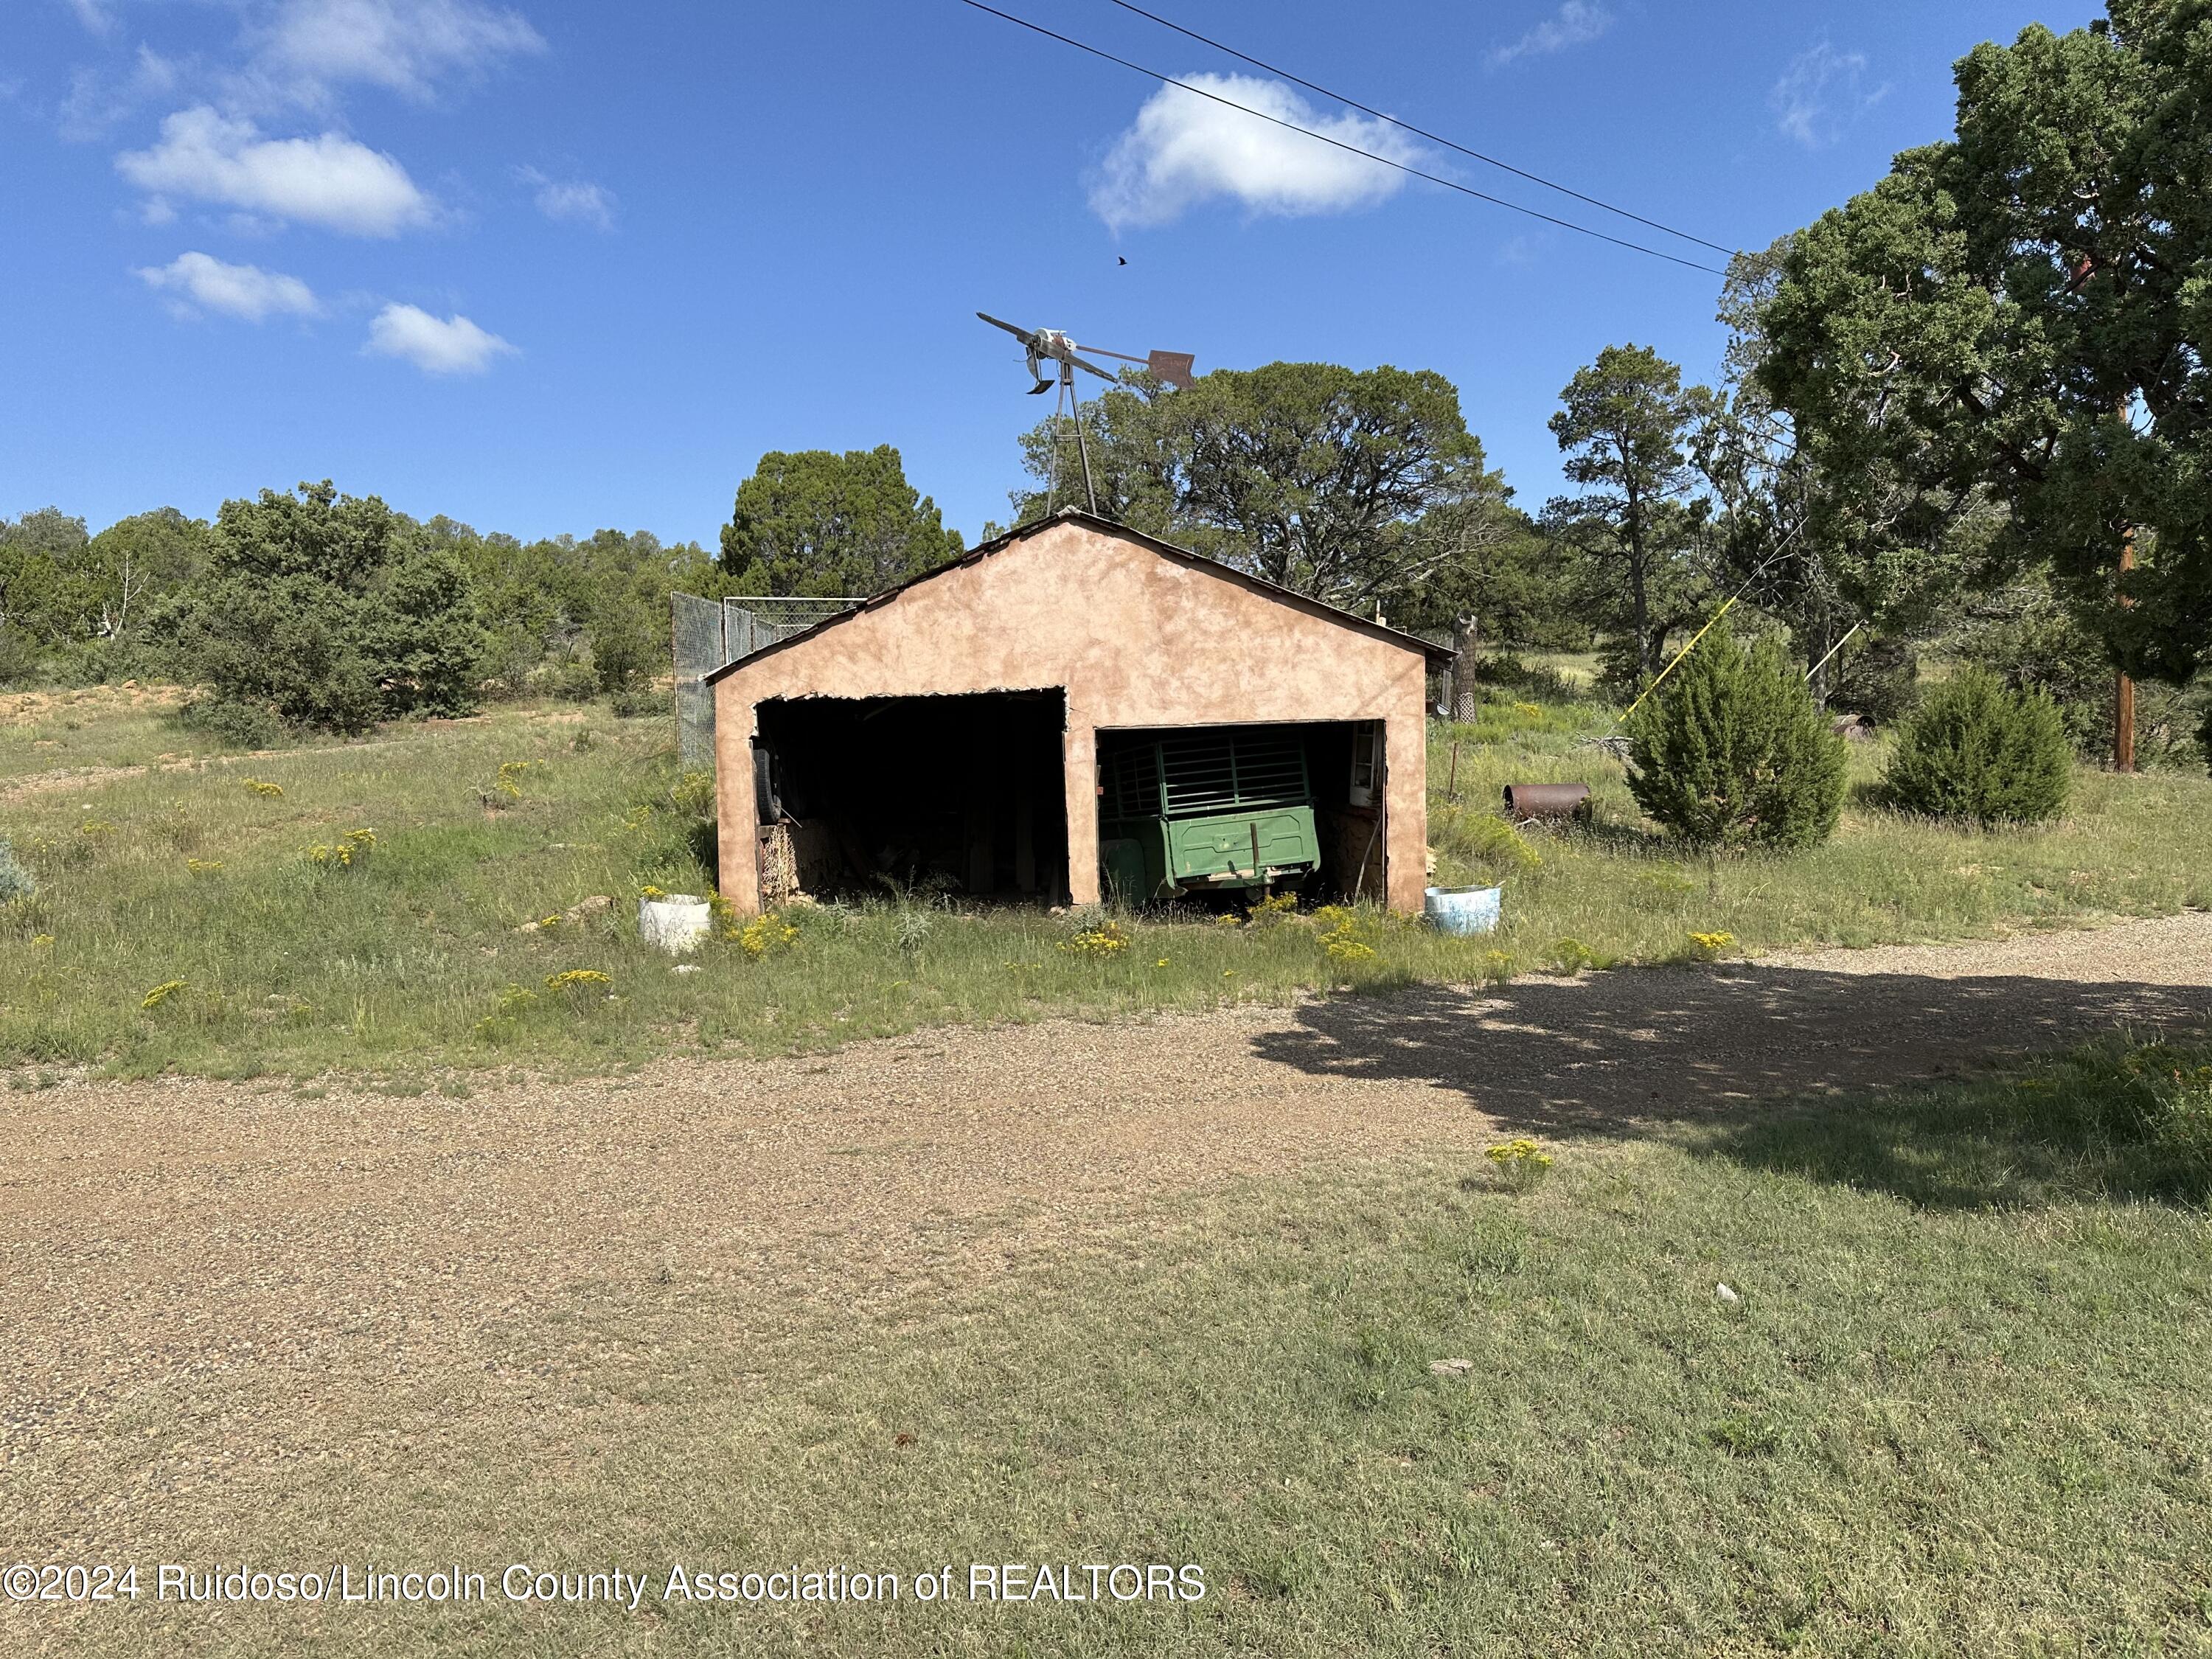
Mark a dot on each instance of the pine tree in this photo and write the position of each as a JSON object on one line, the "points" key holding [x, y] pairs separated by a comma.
{"points": [[1730, 752]]}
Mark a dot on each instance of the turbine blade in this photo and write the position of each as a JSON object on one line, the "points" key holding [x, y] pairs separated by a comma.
{"points": [[1022, 334]]}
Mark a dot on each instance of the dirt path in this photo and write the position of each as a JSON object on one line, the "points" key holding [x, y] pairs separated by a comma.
{"points": [[246, 1276]]}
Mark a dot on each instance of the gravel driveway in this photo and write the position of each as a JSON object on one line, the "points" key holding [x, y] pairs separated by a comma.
{"points": [[251, 1279]]}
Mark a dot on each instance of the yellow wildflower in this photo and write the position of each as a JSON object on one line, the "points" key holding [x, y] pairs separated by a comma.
{"points": [[1100, 939], [764, 934], [1342, 941], [162, 993], [349, 849], [1521, 1162]]}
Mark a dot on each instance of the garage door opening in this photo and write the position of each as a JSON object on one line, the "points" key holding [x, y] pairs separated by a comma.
{"points": [[952, 795], [1233, 811]]}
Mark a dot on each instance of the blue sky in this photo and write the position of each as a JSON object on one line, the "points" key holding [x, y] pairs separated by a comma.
{"points": [[553, 266]]}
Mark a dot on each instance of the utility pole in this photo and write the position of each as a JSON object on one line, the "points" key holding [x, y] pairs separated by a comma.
{"points": [[2124, 689]]}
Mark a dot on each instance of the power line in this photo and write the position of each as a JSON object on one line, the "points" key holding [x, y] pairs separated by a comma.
{"points": [[1339, 144], [1418, 132]]}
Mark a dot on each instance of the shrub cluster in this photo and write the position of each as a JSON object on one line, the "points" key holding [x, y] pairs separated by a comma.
{"points": [[1976, 749], [322, 611], [1731, 751]]}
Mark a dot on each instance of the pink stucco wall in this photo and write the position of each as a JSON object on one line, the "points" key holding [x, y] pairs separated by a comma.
{"points": [[1136, 639]]}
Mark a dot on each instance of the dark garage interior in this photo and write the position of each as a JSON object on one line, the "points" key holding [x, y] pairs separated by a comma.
{"points": [[959, 794]]}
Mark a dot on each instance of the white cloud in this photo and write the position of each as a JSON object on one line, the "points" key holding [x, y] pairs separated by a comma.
{"points": [[1184, 149], [304, 49], [332, 181], [245, 291], [1819, 94], [93, 15], [1577, 23], [576, 201], [454, 346], [98, 99]]}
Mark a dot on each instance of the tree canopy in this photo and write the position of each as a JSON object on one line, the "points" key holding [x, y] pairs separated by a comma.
{"points": [[60, 587], [1317, 477], [818, 523], [328, 611], [2022, 316], [1623, 424]]}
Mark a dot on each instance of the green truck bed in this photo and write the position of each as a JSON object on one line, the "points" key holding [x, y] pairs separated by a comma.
{"points": [[1216, 807]]}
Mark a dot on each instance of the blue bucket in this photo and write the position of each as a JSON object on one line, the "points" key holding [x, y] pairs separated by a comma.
{"points": [[1462, 909]]}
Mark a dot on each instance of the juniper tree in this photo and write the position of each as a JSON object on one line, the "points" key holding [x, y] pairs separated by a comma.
{"points": [[1978, 749], [1730, 752]]}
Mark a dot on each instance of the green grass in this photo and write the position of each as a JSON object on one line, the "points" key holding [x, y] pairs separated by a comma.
{"points": [[1958, 1408], [411, 963], [2126, 846]]}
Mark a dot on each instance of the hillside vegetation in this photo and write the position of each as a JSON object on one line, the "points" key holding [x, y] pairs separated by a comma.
{"points": [[185, 919]]}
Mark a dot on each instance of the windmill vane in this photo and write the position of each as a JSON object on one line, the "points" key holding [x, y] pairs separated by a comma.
{"points": [[1051, 345]]}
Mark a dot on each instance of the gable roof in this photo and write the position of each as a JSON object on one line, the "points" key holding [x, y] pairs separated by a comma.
{"points": [[1181, 555]]}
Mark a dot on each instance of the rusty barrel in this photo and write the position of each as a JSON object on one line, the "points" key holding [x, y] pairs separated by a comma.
{"points": [[1547, 800]]}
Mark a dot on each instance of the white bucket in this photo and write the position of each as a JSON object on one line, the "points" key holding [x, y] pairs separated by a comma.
{"points": [[676, 923], [1462, 909]]}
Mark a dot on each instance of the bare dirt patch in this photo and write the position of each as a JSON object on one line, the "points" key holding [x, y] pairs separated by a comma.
{"points": [[29, 707]]}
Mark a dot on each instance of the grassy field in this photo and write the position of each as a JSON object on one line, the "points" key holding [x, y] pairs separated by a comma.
{"points": [[1395, 1410], [405, 957]]}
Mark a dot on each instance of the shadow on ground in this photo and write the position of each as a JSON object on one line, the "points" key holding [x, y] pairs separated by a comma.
{"points": [[1637, 1049]]}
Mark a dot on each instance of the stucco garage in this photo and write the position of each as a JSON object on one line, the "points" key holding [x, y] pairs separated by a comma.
{"points": [[952, 730]]}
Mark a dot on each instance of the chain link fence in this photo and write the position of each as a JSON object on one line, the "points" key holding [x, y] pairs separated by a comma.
{"points": [[710, 632]]}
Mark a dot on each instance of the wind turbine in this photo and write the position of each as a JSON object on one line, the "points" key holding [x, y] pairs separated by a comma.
{"points": [[1052, 346]]}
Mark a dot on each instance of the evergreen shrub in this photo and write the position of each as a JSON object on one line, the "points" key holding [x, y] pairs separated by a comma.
{"points": [[1978, 749], [1731, 751], [236, 724]]}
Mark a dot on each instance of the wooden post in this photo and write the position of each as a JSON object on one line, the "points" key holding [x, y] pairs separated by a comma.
{"points": [[2124, 689]]}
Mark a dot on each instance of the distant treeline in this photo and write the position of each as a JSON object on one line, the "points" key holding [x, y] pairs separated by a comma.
{"points": [[1362, 488], [311, 609]]}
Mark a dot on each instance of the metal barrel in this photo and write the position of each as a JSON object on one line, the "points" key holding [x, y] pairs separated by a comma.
{"points": [[1547, 800]]}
